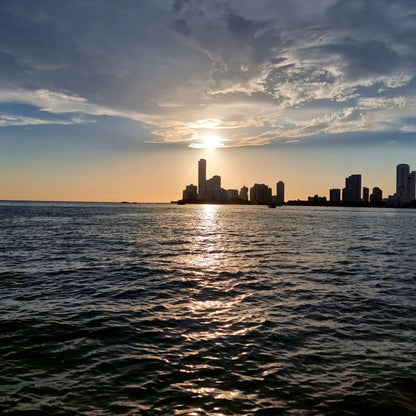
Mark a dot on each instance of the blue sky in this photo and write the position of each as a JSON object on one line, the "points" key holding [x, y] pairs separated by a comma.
{"points": [[110, 85]]}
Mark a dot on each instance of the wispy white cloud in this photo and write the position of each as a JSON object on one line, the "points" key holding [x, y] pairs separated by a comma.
{"points": [[9, 121], [61, 103]]}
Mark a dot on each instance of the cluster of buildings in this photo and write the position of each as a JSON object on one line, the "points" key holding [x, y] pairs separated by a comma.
{"points": [[405, 186], [209, 190], [353, 193]]}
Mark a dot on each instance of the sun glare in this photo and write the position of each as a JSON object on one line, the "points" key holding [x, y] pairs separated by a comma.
{"points": [[208, 142], [212, 142]]}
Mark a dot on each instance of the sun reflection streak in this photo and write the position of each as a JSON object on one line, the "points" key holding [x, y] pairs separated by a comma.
{"points": [[216, 309], [207, 250], [215, 304]]}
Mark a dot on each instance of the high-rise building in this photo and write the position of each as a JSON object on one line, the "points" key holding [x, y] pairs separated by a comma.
{"points": [[405, 184], [376, 196], [232, 193], [352, 190], [213, 183], [335, 196], [366, 193], [244, 193], [213, 189], [260, 194], [280, 192], [202, 177], [411, 187], [402, 172], [190, 192]]}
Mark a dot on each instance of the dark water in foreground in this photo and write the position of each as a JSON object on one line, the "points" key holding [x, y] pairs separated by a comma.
{"points": [[110, 309]]}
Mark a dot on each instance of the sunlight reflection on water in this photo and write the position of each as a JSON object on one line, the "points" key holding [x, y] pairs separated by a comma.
{"points": [[207, 310]]}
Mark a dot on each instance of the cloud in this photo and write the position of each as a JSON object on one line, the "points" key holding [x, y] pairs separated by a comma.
{"points": [[60, 103], [9, 121], [266, 71]]}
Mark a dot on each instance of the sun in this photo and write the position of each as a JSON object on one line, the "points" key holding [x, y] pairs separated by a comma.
{"points": [[208, 142], [212, 142]]}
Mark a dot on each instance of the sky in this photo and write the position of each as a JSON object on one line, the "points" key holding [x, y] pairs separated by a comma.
{"points": [[113, 100]]}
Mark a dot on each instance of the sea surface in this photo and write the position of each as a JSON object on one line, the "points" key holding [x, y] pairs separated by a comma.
{"points": [[159, 309]]}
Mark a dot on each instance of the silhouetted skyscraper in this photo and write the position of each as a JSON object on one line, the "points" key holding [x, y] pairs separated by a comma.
{"points": [[376, 196], [335, 196], [280, 192], [232, 193], [202, 177], [244, 193], [402, 172], [352, 190], [213, 183], [411, 187], [405, 184], [366, 193], [260, 194], [190, 192]]}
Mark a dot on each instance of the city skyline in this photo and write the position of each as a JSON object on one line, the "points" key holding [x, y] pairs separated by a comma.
{"points": [[315, 184], [111, 101], [353, 193], [210, 190]]}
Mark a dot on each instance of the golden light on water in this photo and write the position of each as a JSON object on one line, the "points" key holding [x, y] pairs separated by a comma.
{"points": [[212, 313], [211, 255], [207, 248]]}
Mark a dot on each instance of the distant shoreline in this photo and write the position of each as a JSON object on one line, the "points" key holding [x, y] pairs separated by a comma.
{"points": [[213, 202], [298, 203]]}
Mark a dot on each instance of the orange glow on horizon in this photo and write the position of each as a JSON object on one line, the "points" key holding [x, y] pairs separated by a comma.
{"points": [[162, 175]]}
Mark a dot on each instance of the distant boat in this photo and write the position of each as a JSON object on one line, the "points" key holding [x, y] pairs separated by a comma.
{"points": [[274, 205], [181, 202]]}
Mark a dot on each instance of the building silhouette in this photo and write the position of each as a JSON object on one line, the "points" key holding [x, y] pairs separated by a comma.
{"points": [[190, 193], [209, 189], [212, 184], [244, 193], [366, 194], [213, 190], [411, 187], [202, 178], [260, 194], [232, 193], [352, 190], [316, 199], [377, 195], [280, 193], [402, 173], [335, 196], [405, 186]]}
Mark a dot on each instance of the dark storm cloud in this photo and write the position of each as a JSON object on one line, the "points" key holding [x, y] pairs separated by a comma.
{"points": [[175, 64]]}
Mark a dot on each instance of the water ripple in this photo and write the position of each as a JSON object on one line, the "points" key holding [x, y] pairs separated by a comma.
{"points": [[206, 310]]}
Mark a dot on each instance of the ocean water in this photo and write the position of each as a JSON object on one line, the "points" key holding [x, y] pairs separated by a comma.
{"points": [[115, 309]]}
